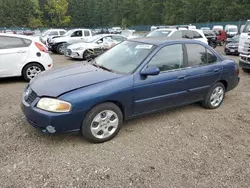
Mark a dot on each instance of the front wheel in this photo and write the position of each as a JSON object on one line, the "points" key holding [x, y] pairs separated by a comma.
{"points": [[31, 70], [60, 49], [214, 97], [102, 123]]}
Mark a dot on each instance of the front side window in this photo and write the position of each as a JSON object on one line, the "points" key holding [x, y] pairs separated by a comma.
{"points": [[118, 38], [77, 34], [125, 57], [168, 58], [13, 42], [199, 55]]}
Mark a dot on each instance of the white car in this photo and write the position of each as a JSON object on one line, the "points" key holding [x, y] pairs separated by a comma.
{"points": [[22, 56], [105, 41], [195, 34], [72, 36], [50, 33]]}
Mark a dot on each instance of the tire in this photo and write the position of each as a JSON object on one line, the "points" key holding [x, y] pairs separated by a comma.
{"points": [[208, 102], [59, 49], [27, 72], [246, 70], [87, 55], [54, 51], [222, 43], [98, 122]]}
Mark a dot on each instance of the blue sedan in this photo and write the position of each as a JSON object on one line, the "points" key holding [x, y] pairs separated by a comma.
{"points": [[136, 77]]}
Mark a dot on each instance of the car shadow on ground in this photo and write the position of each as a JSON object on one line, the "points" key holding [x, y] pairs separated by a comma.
{"points": [[128, 127], [12, 80]]}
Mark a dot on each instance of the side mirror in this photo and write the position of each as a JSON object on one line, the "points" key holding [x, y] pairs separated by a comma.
{"points": [[150, 71], [99, 42]]}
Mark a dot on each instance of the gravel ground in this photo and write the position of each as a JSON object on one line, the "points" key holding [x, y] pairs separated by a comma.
{"points": [[184, 147]]}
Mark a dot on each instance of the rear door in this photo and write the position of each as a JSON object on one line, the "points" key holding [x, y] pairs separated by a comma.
{"points": [[13, 54], [204, 69], [165, 90]]}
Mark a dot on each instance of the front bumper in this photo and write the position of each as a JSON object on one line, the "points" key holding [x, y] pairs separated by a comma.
{"points": [[73, 54], [231, 50], [244, 61], [49, 122]]}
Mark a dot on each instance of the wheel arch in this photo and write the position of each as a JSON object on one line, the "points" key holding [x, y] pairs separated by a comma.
{"points": [[29, 64], [225, 83]]}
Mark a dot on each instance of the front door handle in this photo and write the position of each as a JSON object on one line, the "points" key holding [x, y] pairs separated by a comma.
{"points": [[21, 51], [216, 70], [181, 77]]}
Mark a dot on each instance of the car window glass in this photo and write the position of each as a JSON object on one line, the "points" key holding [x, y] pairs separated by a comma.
{"points": [[53, 33], [118, 38], [77, 34], [13, 42], [62, 32], [168, 58], [86, 33], [211, 58], [186, 34], [196, 35], [177, 35], [196, 55]]}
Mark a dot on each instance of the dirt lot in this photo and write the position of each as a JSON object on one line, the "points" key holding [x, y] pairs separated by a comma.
{"points": [[184, 147]]}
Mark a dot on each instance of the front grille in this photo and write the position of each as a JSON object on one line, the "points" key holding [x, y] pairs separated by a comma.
{"points": [[31, 97]]}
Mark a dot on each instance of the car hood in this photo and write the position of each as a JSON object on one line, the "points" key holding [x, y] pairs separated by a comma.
{"points": [[82, 45], [233, 44], [60, 39], [56, 82]]}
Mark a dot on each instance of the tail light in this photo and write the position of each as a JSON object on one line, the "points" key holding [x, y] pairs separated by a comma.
{"points": [[41, 47]]}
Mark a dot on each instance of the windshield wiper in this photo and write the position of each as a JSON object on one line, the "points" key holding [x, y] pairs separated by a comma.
{"points": [[100, 66]]}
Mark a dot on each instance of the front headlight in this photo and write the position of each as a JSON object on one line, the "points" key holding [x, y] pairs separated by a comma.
{"points": [[80, 48], [53, 105]]}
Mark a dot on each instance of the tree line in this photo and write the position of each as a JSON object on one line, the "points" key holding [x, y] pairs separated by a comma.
{"points": [[104, 13]]}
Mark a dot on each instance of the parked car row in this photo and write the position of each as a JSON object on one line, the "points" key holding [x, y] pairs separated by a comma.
{"points": [[21, 32]]}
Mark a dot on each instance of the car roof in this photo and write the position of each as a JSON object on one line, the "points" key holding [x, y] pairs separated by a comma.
{"points": [[16, 35], [157, 41]]}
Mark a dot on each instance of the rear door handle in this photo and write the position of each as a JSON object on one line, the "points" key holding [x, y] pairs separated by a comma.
{"points": [[181, 77]]}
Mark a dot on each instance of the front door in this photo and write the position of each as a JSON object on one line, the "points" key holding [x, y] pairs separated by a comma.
{"points": [[13, 53], [76, 36], [166, 89]]}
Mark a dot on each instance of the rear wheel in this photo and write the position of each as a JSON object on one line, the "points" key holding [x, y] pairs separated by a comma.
{"points": [[214, 97], [31, 70], [102, 123]]}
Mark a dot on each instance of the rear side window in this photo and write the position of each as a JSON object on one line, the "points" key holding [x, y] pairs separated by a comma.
{"points": [[53, 33], [13, 42], [62, 32], [199, 55], [186, 34], [168, 58], [86, 33], [197, 35]]}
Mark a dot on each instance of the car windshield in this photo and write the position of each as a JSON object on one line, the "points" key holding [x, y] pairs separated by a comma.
{"points": [[236, 38], [247, 27], [92, 39], [158, 33], [68, 33], [232, 29], [44, 33], [125, 57]]}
